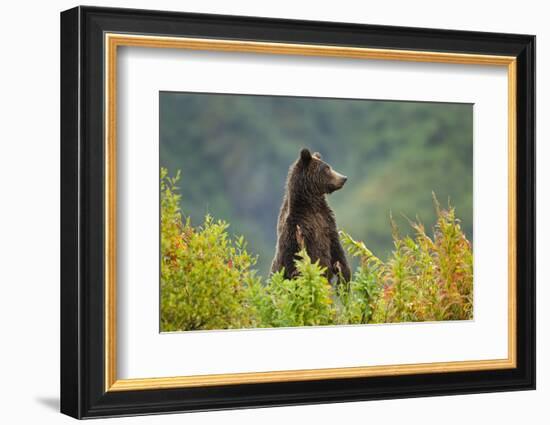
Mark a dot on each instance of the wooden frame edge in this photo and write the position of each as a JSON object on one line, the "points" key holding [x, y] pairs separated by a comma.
{"points": [[110, 212], [306, 375], [512, 212], [114, 40]]}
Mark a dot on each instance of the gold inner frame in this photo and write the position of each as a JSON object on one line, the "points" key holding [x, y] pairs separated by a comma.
{"points": [[113, 41]]}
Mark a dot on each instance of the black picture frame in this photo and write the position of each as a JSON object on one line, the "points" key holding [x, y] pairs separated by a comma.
{"points": [[83, 392]]}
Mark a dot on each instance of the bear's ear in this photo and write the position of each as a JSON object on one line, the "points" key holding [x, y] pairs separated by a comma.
{"points": [[317, 155], [305, 155]]}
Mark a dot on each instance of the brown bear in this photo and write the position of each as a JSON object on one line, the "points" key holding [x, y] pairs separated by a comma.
{"points": [[306, 220]]}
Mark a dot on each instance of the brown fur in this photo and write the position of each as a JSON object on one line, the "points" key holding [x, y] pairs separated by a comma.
{"points": [[306, 220]]}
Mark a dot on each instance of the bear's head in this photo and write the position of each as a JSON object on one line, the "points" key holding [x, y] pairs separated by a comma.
{"points": [[314, 176]]}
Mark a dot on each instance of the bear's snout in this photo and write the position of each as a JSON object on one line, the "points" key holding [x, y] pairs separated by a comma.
{"points": [[337, 181], [340, 179]]}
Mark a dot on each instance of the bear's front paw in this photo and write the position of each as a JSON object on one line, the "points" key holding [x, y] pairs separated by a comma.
{"points": [[343, 272], [295, 273], [300, 237]]}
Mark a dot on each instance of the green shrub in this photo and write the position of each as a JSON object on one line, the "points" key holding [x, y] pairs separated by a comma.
{"points": [[425, 279], [305, 300], [208, 281], [358, 299], [206, 276]]}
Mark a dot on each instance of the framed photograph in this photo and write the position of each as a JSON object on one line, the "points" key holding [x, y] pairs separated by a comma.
{"points": [[261, 212]]}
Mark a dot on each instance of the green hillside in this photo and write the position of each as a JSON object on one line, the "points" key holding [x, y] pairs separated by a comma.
{"points": [[234, 152]]}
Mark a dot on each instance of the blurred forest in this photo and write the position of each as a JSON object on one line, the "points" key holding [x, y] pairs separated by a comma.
{"points": [[234, 152]]}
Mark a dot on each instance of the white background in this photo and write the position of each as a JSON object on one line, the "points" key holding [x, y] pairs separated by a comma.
{"points": [[145, 72], [29, 224]]}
